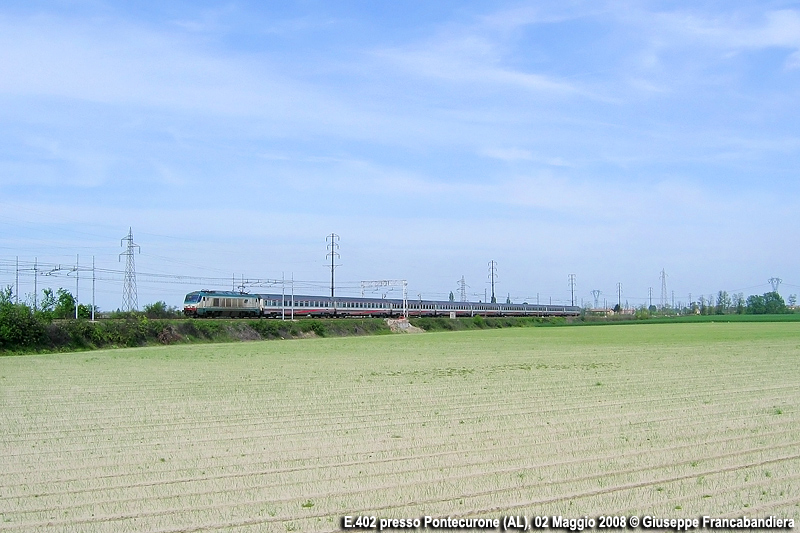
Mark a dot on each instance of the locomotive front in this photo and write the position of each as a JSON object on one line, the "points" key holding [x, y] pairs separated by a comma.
{"points": [[190, 303]]}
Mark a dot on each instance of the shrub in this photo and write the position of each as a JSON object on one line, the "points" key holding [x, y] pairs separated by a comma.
{"points": [[19, 328]]}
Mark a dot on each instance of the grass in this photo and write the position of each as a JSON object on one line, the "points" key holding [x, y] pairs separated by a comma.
{"points": [[277, 436]]}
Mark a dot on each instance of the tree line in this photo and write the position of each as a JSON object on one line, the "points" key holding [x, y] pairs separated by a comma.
{"points": [[769, 303]]}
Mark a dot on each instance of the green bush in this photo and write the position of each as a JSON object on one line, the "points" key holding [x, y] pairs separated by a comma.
{"points": [[19, 328]]}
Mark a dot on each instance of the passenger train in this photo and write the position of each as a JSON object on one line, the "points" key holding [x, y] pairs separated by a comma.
{"points": [[210, 304]]}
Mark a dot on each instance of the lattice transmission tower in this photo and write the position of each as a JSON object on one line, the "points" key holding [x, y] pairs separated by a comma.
{"points": [[129, 297], [663, 289], [596, 295], [462, 289], [775, 282]]}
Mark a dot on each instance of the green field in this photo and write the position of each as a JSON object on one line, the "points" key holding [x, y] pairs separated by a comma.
{"points": [[671, 420]]}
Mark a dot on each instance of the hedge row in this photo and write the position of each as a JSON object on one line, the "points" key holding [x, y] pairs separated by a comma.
{"points": [[21, 331]]}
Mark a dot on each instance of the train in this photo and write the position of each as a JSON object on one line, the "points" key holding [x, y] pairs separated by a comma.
{"points": [[230, 304]]}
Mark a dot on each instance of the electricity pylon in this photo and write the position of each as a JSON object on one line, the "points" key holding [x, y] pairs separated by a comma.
{"points": [[129, 296]]}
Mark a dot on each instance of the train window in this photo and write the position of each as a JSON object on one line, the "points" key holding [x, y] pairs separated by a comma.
{"points": [[216, 302]]}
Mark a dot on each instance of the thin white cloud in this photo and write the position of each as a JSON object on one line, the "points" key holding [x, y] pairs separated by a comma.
{"points": [[508, 154], [475, 55], [736, 32], [542, 12]]}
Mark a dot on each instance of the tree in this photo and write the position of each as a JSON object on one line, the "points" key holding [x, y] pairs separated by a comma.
{"points": [[723, 303], [755, 305], [47, 305], [452, 297], [792, 300], [738, 302], [6, 294], [160, 310], [774, 304], [64, 304]]}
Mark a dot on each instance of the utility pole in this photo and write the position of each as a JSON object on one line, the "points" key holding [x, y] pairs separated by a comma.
{"points": [[333, 245], [492, 276], [572, 287], [77, 279], [16, 284], [650, 292], [129, 297], [93, 276], [619, 295], [35, 283]]}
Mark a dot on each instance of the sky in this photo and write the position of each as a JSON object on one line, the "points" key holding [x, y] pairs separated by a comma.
{"points": [[612, 140]]}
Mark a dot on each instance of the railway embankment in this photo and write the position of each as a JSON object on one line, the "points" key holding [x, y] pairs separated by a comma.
{"points": [[36, 336]]}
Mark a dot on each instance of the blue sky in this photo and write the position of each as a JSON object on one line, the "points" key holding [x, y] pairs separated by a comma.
{"points": [[609, 140]]}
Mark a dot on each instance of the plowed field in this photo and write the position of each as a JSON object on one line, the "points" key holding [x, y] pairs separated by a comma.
{"points": [[676, 420]]}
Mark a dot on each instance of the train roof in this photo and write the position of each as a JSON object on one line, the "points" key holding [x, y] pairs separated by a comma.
{"points": [[229, 294]]}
